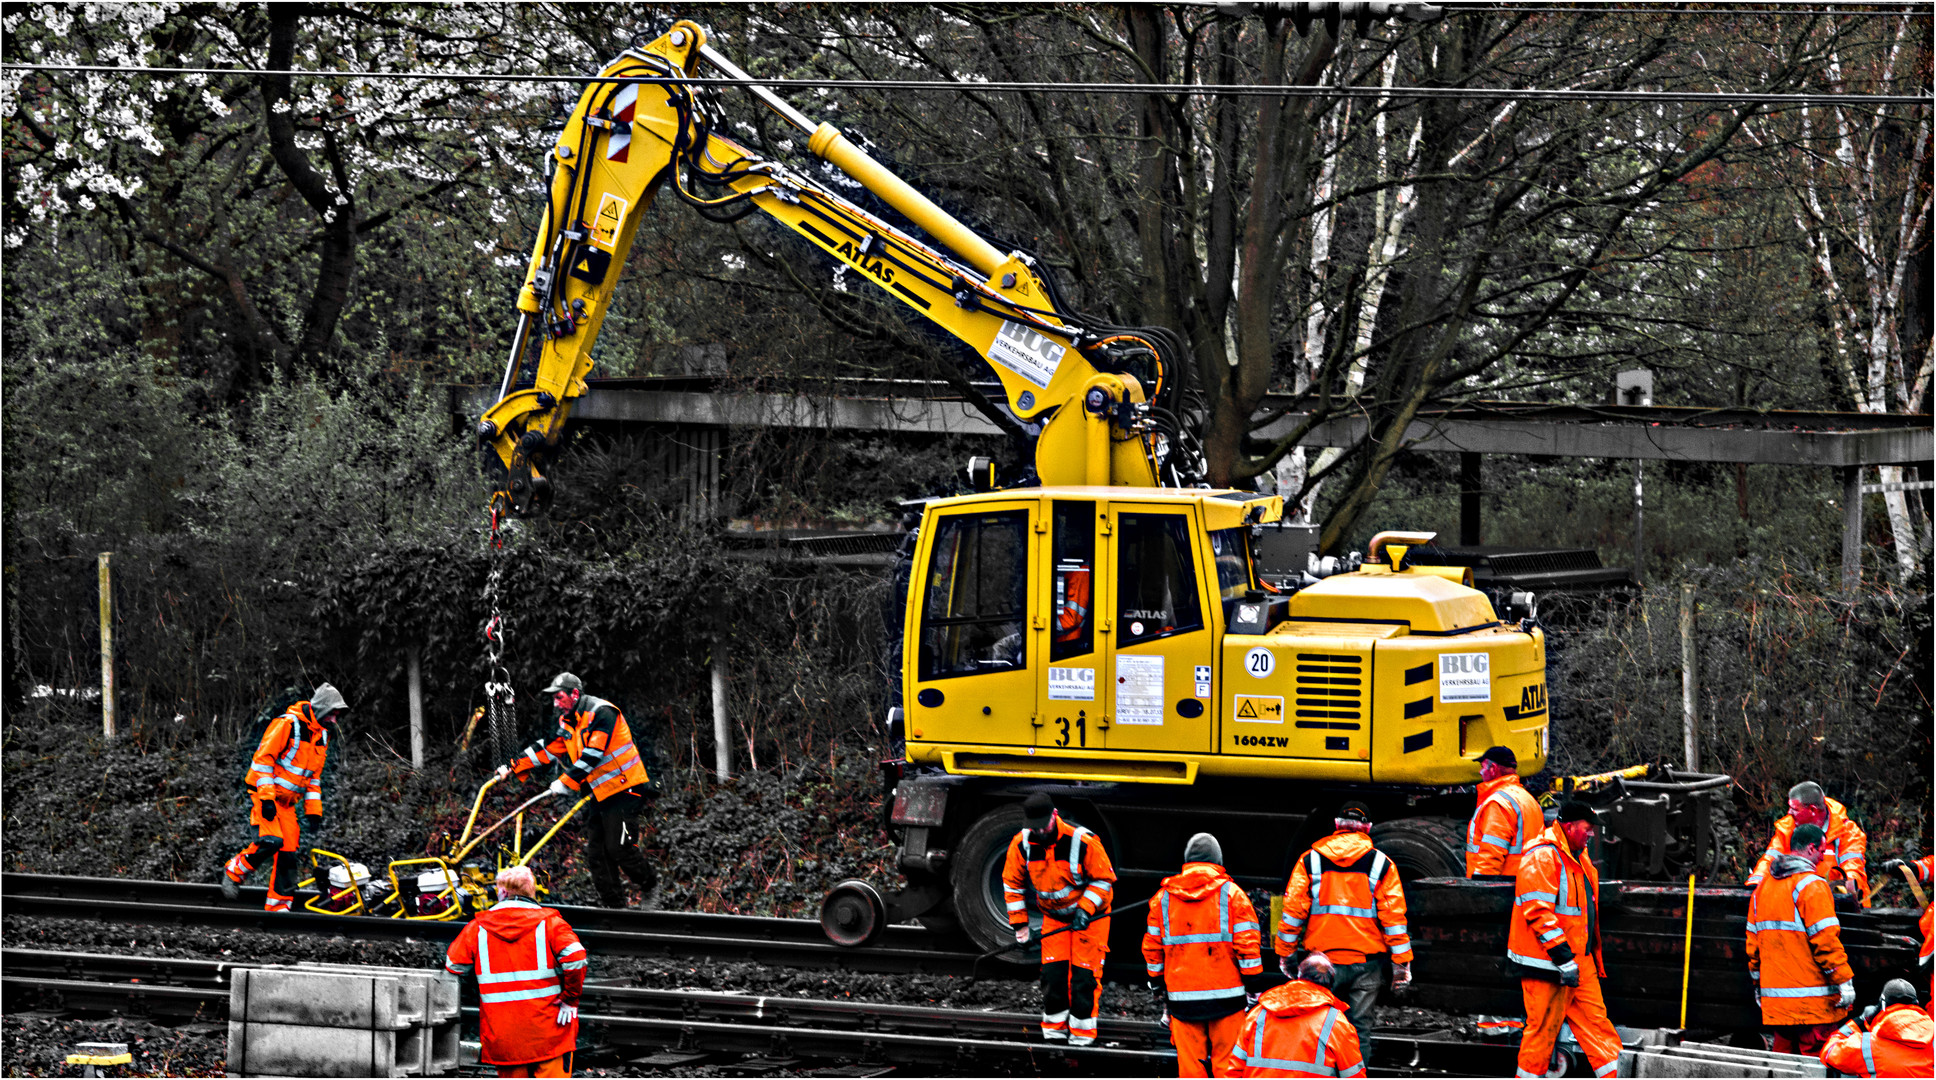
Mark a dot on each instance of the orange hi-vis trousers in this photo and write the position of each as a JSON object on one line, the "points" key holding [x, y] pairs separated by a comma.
{"points": [[1198, 1041], [1548, 1005]]}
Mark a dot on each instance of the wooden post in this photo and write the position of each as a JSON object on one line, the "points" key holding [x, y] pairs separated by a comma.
{"points": [[1690, 683], [416, 708], [722, 732], [1639, 530], [1471, 477], [107, 649], [1852, 528]]}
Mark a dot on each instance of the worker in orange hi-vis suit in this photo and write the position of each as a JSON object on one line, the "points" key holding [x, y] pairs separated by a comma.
{"points": [[287, 767], [1507, 819], [1201, 947], [1891, 1038], [1553, 941], [1074, 883], [1843, 861], [1924, 869], [530, 969], [1299, 1029], [1344, 899], [1803, 981]]}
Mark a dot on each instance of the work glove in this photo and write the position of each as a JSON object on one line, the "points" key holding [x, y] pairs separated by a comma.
{"points": [[1570, 973], [1401, 976], [1868, 1017], [1892, 866], [1250, 1001], [1022, 934], [1757, 991], [1847, 990], [566, 1014], [1082, 920], [1157, 991], [558, 787], [312, 822], [267, 801], [502, 772]]}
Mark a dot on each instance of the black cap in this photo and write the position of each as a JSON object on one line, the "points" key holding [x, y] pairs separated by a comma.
{"points": [[1354, 811], [1501, 755], [1806, 836], [1574, 810], [1037, 809]]}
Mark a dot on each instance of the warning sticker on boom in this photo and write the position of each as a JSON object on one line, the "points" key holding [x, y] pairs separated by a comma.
{"points": [[611, 217], [1258, 710]]}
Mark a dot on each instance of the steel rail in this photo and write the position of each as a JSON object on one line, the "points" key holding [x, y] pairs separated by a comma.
{"points": [[630, 1019]]}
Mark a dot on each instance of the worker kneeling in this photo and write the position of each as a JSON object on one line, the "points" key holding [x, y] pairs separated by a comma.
{"points": [[1073, 883], [1554, 943], [1201, 946], [1891, 1038], [530, 972], [1299, 1029]]}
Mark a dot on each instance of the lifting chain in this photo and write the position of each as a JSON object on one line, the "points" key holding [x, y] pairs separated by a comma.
{"points": [[501, 728]]}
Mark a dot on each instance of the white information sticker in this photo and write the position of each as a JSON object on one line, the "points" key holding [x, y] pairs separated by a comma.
{"points": [[1139, 689], [1072, 684], [1465, 677], [1026, 353], [1260, 662]]}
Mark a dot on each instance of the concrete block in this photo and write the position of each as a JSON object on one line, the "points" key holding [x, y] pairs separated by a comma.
{"points": [[315, 999], [257, 1049], [1647, 1037], [446, 1051], [1801, 1063], [1702, 1060], [427, 995]]}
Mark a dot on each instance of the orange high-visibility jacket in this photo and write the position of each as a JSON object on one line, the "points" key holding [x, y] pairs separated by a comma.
{"points": [[289, 760], [1202, 938], [1555, 916], [1897, 1043], [1845, 852], [1344, 900], [1072, 872], [594, 743], [1298, 1029], [528, 961], [1507, 820], [1795, 946]]}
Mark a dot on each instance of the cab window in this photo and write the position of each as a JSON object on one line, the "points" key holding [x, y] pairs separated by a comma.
{"points": [[976, 588], [1230, 548], [1156, 583], [1074, 538]]}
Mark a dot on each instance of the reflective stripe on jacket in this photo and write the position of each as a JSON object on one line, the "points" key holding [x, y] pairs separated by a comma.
{"points": [[1795, 946], [1555, 903], [288, 762], [594, 744], [1298, 1029], [1344, 899], [1507, 821], [1071, 872], [1897, 1043], [1202, 938], [528, 962], [1845, 851]]}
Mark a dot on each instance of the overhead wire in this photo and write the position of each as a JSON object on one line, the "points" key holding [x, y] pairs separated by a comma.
{"points": [[1184, 89]]}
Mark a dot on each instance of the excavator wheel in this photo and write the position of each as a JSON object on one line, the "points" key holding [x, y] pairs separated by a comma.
{"points": [[1422, 846]]}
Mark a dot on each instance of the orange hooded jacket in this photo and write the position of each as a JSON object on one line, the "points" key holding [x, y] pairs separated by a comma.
{"points": [[1556, 897], [1897, 1043], [288, 762], [1344, 900], [1795, 946], [1201, 939], [1072, 872], [528, 962], [1507, 821], [1298, 1029]]}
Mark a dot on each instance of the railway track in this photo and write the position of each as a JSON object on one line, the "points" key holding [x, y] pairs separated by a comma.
{"points": [[627, 1025]]}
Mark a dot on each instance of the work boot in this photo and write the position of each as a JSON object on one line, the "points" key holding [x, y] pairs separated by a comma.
{"points": [[231, 889]]}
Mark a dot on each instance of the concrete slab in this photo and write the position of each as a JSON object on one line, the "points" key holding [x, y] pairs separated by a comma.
{"points": [[257, 1049], [1652, 1063], [1801, 1063], [315, 999]]}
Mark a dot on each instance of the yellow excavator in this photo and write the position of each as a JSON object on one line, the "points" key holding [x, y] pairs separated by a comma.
{"points": [[1096, 624]]}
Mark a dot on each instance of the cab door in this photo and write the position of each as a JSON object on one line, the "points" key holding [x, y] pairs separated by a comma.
{"points": [[973, 648], [1071, 687], [1158, 644]]}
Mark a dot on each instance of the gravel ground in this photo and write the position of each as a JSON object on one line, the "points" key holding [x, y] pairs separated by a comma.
{"points": [[35, 1045]]}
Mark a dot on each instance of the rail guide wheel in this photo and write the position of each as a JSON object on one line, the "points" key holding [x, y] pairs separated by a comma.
{"points": [[853, 914]]}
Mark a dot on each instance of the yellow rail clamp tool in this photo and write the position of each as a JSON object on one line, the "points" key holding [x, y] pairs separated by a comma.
{"points": [[92, 1057]]}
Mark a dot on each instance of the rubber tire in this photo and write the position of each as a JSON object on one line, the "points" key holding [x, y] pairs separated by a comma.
{"points": [[1422, 846], [975, 879]]}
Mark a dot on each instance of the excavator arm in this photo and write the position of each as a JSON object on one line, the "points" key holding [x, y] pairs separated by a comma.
{"points": [[1114, 405]]}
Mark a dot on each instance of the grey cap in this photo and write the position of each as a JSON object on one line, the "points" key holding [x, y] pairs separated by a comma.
{"points": [[1203, 848], [565, 681], [1808, 793], [1897, 991], [326, 699]]}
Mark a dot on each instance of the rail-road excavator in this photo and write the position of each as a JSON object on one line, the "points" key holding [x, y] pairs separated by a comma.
{"points": [[1095, 623]]}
